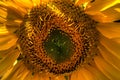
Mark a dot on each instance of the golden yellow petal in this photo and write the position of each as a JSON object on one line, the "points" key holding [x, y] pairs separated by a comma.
{"points": [[7, 61], [3, 30], [96, 72], [107, 69], [37, 76], [98, 5], [3, 12], [112, 46], [23, 74], [24, 3], [5, 53], [7, 72], [82, 74], [7, 42], [77, 76], [29, 76], [10, 19], [14, 11], [19, 72], [2, 3], [44, 78], [79, 2], [61, 77], [2, 19], [12, 26], [36, 2], [110, 58], [109, 30], [102, 18], [113, 12], [87, 74], [116, 40], [9, 27]]}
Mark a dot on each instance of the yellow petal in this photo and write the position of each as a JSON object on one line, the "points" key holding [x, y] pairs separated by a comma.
{"points": [[7, 42], [24, 3], [102, 18], [98, 5], [7, 61], [37, 76], [79, 2], [111, 72], [97, 73], [62, 77], [113, 12], [13, 10], [116, 40], [19, 72], [3, 12], [9, 27], [29, 76], [110, 30], [77, 75], [2, 19], [3, 30], [43, 78], [12, 26], [110, 58], [36, 2], [82, 74], [112, 46]]}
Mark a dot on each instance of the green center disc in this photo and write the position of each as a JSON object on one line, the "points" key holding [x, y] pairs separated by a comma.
{"points": [[59, 46]]}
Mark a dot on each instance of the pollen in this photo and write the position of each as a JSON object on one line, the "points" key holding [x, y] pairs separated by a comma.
{"points": [[57, 37]]}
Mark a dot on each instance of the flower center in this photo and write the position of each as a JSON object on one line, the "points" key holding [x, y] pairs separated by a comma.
{"points": [[57, 37], [58, 46]]}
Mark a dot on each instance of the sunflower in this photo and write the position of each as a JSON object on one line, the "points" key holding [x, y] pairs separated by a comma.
{"points": [[59, 40]]}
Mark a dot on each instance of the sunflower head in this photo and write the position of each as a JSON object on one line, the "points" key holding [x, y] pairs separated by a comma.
{"points": [[57, 37]]}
